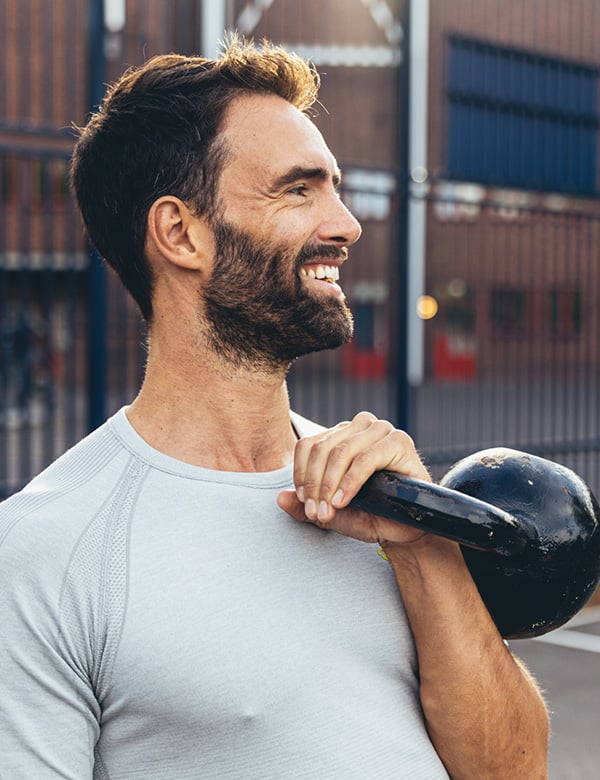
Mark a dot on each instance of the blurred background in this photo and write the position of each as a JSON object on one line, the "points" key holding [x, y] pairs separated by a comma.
{"points": [[468, 134]]}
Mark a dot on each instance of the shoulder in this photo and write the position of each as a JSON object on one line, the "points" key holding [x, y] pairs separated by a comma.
{"points": [[61, 540], [46, 518]]}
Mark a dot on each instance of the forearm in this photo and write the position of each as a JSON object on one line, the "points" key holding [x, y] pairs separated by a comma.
{"points": [[483, 711]]}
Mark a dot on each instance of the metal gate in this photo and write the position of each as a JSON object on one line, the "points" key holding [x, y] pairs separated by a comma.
{"points": [[42, 316], [474, 286]]}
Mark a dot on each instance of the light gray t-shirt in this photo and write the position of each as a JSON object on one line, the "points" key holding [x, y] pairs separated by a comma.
{"points": [[165, 622]]}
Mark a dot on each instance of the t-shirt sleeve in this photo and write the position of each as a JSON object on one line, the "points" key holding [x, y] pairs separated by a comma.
{"points": [[49, 716]]}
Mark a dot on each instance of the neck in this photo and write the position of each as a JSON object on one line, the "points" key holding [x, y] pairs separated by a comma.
{"points": [[203, 411]]}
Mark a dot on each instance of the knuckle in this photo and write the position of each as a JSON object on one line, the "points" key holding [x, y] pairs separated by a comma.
{"points": [[403, 439], [341, 425], [362, 457], [302, 449], [340, 452], [310, 486], [320, 448], [362, 462], [364, 418], [383, 427], [327, 488]]}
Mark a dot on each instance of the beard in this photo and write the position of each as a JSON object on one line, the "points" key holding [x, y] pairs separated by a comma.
{"points": [[259, 312]]}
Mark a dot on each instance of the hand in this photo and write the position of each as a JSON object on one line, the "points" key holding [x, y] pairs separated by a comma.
{"points": [[332, 466]]}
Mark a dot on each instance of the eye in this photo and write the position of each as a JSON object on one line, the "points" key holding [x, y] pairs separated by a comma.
{"points": [[299, 189]]}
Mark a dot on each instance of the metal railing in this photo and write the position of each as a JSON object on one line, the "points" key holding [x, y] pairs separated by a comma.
{"points": [[511, 357]]}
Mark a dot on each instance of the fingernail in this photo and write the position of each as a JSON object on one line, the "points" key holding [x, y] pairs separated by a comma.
{"points": [[323, 510], [300, 493], [310, 509], [338, 498]]}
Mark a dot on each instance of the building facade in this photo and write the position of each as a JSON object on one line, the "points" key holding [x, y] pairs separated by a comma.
{"points": [[467, 133]]}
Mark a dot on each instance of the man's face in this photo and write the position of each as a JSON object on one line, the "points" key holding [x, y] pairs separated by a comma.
{"points": [[281, 236]]}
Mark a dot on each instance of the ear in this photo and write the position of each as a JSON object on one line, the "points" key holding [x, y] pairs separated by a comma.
{"points": [[178, 235]]}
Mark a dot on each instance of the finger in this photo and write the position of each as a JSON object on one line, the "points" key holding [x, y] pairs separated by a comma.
{"points": [[395, 452], [289, 502], [363, 448], [304, 447], [355, 523], [311, 459], [360, 452]]}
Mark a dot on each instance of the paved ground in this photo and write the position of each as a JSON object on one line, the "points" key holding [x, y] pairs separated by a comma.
{"points": [[566, 663]]}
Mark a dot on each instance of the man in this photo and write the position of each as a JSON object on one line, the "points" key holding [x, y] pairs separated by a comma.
{"points": [[162, 614]]}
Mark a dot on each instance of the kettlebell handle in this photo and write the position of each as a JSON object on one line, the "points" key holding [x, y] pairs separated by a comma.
{"points": [[445, 512]]}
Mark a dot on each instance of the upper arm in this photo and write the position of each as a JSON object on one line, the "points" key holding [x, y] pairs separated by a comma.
{"points": [[49, 716]]}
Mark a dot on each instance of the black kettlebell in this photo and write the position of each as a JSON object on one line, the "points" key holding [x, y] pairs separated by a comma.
{"points": [[528, 529]]}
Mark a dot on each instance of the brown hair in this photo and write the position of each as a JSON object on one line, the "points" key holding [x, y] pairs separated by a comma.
{"points": [[157, 133]]}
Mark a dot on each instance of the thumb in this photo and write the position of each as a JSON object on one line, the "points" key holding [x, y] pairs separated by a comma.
{"points": [[289, 502]]}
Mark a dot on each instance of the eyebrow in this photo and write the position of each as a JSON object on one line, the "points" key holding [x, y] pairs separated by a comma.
{"points": [[299, 172]]}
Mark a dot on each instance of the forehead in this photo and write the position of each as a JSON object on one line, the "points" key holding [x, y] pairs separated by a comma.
{"points": [[265, 136]]}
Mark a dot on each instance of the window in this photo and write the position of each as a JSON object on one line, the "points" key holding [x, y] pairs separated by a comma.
{"points": [[47, 182], [509, 313], [518, 119], [364, 325], [565, 313], [7, 179]]}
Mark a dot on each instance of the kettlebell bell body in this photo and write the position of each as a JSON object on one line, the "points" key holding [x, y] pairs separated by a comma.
{"points": [[542, 586], [529, 530]]}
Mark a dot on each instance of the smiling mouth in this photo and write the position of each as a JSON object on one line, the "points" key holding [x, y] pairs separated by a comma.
{"points": [[326, 273]]}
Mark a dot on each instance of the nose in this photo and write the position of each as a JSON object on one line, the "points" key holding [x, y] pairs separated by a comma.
{"points": [[339, 225]]}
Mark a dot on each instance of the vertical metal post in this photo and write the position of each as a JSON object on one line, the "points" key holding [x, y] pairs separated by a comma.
{"points": [[412, 217], [417, 161], [214, 23], [97, 318], [402, 387]]}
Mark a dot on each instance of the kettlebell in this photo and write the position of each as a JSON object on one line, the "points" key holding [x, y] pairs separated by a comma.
{"points": [[528, 529]]}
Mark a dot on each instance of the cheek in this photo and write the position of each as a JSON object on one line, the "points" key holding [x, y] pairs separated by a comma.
{"points": [[285, 228]]}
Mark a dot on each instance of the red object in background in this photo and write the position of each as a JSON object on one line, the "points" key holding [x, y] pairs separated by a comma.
{"points": [[454, 357], [363, 363]]}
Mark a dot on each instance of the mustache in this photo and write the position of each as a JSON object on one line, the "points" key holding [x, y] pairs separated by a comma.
{"points": [[309, 252]]}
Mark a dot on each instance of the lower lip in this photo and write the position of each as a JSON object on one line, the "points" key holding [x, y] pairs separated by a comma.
{"points": [[332, 288]]}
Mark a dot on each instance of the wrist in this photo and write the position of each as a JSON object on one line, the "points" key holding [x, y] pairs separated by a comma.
{"points": [[427, 549]]}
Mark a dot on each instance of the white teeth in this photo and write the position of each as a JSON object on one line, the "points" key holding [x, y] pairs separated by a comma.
{"points": [[330, 272]]}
